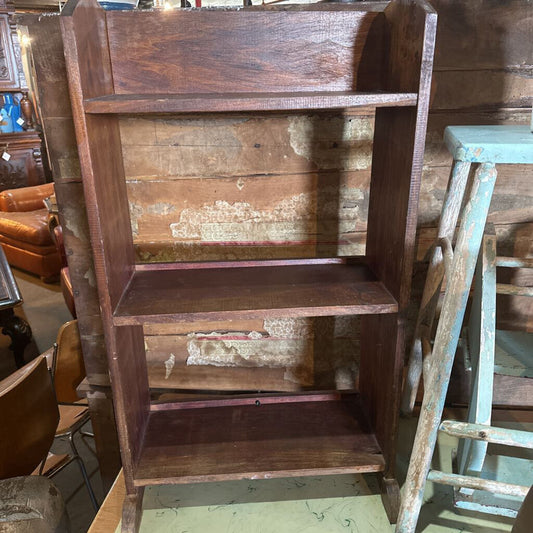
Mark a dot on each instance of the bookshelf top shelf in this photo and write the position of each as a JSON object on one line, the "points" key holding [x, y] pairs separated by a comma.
{"points": [[252, 101]]}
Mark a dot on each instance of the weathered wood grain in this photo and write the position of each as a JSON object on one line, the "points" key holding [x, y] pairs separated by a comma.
{"points": [[252, 145], [85, 43], [396, 174], [245, 101], [58, 128], [301, 436], [498, 32], [286, 49], [482, 89]]}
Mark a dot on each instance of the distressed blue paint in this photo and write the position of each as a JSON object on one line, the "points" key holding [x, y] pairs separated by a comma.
{"points": [[490, 144], [456, 480], [495, 435], [481, 508], [514, 262], [446, 339], [481, 335], [485, 145], [451, 207]]}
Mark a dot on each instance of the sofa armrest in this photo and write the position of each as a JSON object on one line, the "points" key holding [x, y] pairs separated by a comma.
{"points": [[25, 198]]}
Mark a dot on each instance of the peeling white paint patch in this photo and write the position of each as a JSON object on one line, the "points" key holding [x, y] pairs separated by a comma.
{"points": [[70, 216], [275, 353], [291, 328], [160, 208], [136, 212], [169, 365], [345, 377], [223, 221], [90, 277]]}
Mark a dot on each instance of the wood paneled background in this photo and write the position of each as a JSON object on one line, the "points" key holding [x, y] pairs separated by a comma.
{"points": [[285, 185]]}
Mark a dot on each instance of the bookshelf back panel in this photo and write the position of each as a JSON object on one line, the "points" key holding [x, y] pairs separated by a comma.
{"points": [[248, 187], [284, 50]]}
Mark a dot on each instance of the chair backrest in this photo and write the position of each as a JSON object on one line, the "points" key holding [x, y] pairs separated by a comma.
{"points": [[69, 369], [28, 418]]}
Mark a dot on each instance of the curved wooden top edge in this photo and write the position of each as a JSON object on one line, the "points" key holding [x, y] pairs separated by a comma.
{"points": [[71, 5]]}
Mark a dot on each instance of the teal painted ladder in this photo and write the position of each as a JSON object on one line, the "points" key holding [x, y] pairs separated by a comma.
{"points": [[484, 146]]}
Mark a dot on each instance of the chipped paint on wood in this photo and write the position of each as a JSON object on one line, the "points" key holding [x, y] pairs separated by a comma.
{"points": [[265, 218], [222, 221], [459, 282], [169, 365], [231, 352], [321, 352]]}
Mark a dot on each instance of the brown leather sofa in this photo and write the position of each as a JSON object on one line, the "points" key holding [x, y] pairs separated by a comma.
{"points": [[24, 231]]}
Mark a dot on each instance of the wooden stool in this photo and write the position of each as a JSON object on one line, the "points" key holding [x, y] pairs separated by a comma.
{"points": [[485, 146]]}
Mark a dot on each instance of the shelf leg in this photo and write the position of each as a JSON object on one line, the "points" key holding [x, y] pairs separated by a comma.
{"points": [[459, 281], [132, 511], [390, 496]]}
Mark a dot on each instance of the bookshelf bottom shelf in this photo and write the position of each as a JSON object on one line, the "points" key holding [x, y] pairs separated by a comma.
{"points": [[252, 439]]}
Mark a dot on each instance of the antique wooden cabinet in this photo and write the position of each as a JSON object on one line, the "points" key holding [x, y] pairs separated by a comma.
{"points": [[23, 165], [254, 60]]}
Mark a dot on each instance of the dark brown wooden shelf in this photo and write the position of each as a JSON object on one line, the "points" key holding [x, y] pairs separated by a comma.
{"points": [[217, 102], [281, 437], [157, 296]]}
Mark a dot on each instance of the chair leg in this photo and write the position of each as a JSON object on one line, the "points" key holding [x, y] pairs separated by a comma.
{"points": [[83, 471]]}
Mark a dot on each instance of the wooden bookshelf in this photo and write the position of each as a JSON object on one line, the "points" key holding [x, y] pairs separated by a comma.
{"points": [[278, 58]]}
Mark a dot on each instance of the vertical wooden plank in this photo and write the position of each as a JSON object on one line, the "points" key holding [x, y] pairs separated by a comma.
{"points": [[88, 64], [105, 435], [399, 141], [396, 171], [50, 77]]}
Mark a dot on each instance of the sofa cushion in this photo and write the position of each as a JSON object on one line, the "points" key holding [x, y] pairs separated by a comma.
{"points": [[29, 226]]}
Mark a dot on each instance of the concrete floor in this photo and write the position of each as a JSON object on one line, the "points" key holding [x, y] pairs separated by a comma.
{"points": [[331, 504]]}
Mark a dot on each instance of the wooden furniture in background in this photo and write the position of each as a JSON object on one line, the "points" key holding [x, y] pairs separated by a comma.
{"points": [[260, 436], [12, 76], [25, 166]]}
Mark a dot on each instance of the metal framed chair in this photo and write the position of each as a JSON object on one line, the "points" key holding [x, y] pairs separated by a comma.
{"points": [[67, 369]]}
